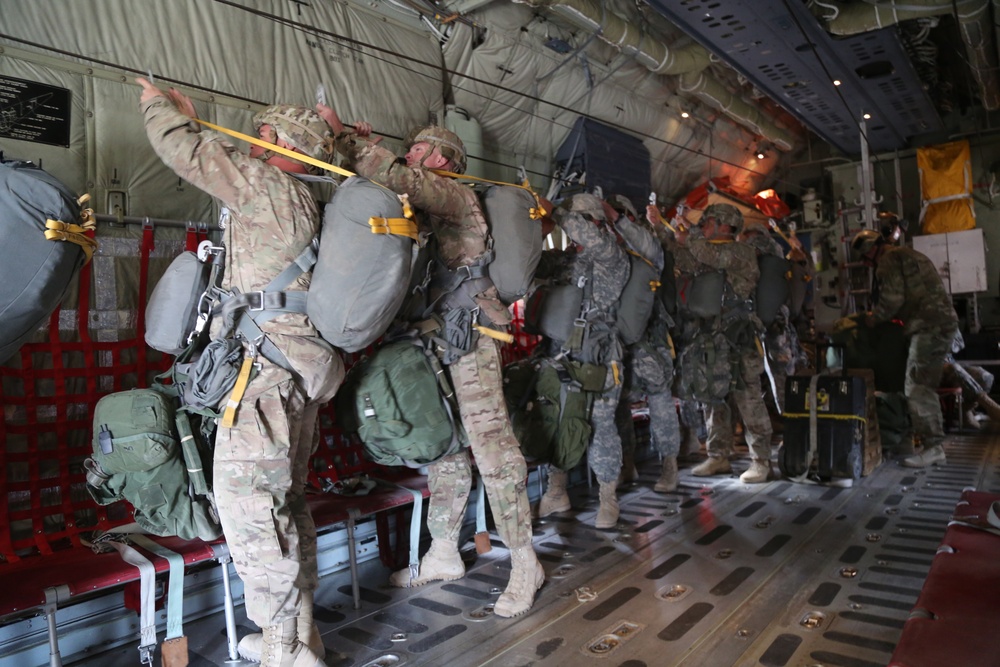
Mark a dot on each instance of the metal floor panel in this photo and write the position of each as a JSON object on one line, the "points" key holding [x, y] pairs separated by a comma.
{"points": [[719, 573]]}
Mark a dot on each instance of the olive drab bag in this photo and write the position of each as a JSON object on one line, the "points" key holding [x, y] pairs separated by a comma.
{"points": [[35, 272], [401, 405], [363, 267], [144, 452], [773, 288], [550, 402], [705, 368], [517, 240]]}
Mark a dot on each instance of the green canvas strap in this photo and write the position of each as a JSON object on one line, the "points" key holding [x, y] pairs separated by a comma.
{"points": [[175, 584], [147, 599]]}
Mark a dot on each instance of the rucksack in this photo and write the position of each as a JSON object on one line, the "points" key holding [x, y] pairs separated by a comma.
{"points": [[517, 239], [552, 310], [35, 273], [401, 405], [145, 452], [550, 402], [701, 295], [705, 368], [773, 286]]}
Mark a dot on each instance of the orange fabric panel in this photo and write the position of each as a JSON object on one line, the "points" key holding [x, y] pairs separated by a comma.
{"points": [[946, 171]]}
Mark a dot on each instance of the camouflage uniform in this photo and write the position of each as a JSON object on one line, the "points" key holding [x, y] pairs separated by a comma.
{"points": [[458, 224], [781, 342], [911, 290], [262, 461], [739, 261], [602, 262]]}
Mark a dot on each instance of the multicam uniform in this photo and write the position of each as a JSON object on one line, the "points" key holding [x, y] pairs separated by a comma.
{"points": [[911, 290], [458, 223], [603, 263], [739, 261], [261, 462]]}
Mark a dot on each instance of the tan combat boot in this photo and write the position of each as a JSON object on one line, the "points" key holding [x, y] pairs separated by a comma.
{"points": [[757, 473], [442, 562], [713, 465], [607, 513], [252, 645], [989, 406], [668, 476], [526, 577], [555, 499], [925, 458], [282, 648]]}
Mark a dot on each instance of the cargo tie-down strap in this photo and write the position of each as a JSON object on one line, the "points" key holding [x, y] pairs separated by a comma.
{"points": [[147, 597], [57, 230]]}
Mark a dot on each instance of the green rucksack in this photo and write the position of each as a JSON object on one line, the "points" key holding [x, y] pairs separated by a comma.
{"points": [[143, 452], [705, 368], [549, 403], [401, 405]]}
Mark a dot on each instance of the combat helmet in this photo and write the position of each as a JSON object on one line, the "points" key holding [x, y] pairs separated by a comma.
{"points": [[446, 141], [865, 241], [587, 204], [725, 214], [301, 127], [622, 204]]}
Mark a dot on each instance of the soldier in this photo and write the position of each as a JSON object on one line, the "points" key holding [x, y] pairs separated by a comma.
{"points": [[909, 288], [650, 362], [461, 235], [781, 342], [260, 473], [713, 246], [601, 267]]}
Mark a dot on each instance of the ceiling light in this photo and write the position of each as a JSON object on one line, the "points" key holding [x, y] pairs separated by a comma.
{"points": [[836, 82], [685, 114], [866, 116], [760, 155]]}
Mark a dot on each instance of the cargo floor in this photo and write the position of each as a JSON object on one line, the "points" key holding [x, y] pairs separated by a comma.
{"points": [[718, 573]]}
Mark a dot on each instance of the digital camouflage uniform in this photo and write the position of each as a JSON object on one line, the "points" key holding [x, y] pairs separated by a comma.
{"points": [[781, 342], [911, 290], [739, 261], [458, 223], [261, 462], [603, 262], [651, 367]]}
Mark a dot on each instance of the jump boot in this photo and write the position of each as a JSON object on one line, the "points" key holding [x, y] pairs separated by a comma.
{"points": [[757, 473], [925, 458], [526, 577], [668, 476], [442, 562], [713, 465], [252, 645], [555, 499], [607, 513], [989, 406], [282, 648]]}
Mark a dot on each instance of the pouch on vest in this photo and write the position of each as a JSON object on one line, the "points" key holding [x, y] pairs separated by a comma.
{"points": [[172, 311], [705, 368], [517, 240], [772, 288], [35, 273], [701, 295], [400, 403], [137, 457], [635, 305], [550, 404], [551, 311], [363, 270]]}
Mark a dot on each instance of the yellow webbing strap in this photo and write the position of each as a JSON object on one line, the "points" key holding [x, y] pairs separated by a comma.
{"points": [[535, 213], [501, 336], [670, 343], [229, 416], [834, 417], [301, 157], [397, 226], [615, 373], [57, 230]]}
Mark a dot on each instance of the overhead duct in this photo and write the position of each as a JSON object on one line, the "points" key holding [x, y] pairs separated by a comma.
{"points": [[974, 23], [691, 60]]}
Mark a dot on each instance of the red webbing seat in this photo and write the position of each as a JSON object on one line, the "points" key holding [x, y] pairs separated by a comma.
{"points": [[956, 617]]}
